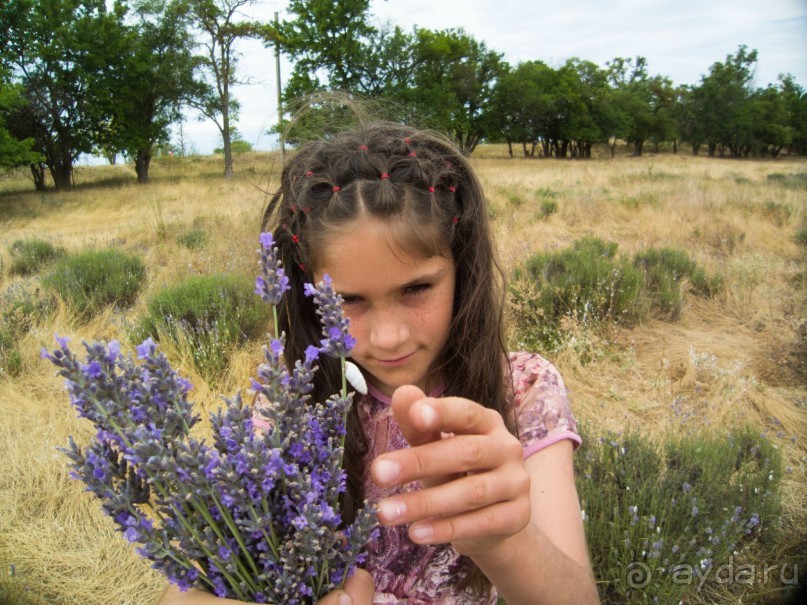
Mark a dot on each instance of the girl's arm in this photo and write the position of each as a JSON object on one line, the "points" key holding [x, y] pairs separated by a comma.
{"points": [[518, 520], [358, 590]]}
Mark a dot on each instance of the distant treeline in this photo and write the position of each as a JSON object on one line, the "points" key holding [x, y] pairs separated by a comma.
{"points": [[89, 76]]}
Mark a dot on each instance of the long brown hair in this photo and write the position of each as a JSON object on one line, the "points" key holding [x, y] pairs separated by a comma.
{"points": [[425, 189]]}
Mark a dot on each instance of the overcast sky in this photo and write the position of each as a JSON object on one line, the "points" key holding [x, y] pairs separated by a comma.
{"points": [[679, 38]]}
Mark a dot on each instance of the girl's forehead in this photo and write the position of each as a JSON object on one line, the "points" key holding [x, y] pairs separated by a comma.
{"points": [[369, 237], [368, 252]]}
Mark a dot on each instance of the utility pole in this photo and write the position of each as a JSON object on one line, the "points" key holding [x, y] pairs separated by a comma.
{"points": [[279, 101]]}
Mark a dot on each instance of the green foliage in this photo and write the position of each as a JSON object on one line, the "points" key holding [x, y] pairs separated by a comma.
{"points": [[654, 514], [589, 284], [92, 280], [236, 146], [30, 255], [22, 306], [205, 318], [796, 180], [58, 50], [586, 283], [801, 234], [194, 239], [664, 270], [13, 151], [547, 208]]}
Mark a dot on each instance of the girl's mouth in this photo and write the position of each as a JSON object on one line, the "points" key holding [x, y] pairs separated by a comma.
{"points": [[394, 363]]}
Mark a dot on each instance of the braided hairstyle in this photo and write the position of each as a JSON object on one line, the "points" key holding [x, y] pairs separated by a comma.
{"points": [[425, 191]]}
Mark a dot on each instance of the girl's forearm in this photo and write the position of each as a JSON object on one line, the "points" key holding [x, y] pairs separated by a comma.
{"points": [[530, 570]]}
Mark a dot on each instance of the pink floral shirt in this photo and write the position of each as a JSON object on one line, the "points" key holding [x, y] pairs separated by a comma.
{"points": [[406, 573], [409, 574]]}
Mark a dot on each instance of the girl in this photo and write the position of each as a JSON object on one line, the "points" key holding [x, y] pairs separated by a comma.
{"points": [[465, 449]]}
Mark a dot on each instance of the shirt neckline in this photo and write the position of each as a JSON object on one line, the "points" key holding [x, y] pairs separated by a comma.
{"points": [[387, 400]]}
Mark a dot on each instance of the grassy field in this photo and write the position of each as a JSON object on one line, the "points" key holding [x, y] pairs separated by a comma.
{"points": [[737, 358]]}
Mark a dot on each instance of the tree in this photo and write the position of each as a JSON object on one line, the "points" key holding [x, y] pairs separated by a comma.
{"points": [[328, 38], [795, 98], [646, 103], [55, 49], [454, 82], [148, 82], [721, 103], [13, 151], [219, 29]]}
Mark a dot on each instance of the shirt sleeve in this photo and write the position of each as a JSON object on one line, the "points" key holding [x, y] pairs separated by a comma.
{"points": [[258, 420], [543, 413]]}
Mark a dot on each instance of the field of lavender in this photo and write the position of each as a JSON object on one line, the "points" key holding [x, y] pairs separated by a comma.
{"points": [[670, 291]]}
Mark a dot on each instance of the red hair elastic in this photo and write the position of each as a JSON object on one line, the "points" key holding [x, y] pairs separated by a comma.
{"points": [[431, 189], [295, 238], [452, 189], [309, 173], [455, 220], [363, 148], [412, 154], [384, 175], [336, 188], [407, 140]]}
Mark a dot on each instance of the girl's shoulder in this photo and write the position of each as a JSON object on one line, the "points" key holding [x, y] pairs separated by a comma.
{"points": [[529, 370], [541, 403]]}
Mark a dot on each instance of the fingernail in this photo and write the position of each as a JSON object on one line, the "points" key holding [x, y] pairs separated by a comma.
{"points": [[422, 532], [427, 415], [387, 471], [344, 599], [391, 510]]}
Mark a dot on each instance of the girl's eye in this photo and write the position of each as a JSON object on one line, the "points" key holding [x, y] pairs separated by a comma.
{"points": [[351, 300], [417, 289]]}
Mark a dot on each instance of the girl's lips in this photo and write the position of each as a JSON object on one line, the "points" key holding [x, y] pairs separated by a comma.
{"points": [[394, 363]]}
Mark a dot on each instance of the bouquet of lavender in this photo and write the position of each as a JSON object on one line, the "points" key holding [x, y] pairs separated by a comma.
{"points": [[255, 515]]}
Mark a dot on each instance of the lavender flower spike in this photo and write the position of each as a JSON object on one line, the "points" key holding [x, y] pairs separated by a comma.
{"points": [[338, 341], [272, 281]]}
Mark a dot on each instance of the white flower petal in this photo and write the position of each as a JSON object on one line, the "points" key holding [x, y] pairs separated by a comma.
{"points": [[354, 377]]}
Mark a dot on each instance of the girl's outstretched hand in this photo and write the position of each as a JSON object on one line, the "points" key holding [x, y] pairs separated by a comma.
{"points": [[358, 590], [476, 490]]}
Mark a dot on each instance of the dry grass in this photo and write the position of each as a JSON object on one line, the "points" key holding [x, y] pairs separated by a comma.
{"points": [[727, 361]]}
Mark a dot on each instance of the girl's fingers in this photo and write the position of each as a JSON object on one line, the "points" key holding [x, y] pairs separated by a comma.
{"points": [[422, 419], [358, 590], [444, 459], [469, 493], [489, 524]]}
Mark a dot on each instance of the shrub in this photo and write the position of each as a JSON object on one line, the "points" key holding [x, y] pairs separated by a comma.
{"points": [[585, 282], [801, 235], [664, 270], [656, 513], [22, 306], [547, 208], [91, 280], [195, 239], [30, 255], [205, 317]]}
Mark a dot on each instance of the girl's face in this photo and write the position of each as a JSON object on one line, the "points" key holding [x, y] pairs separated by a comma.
{"points": [[400, 307]]}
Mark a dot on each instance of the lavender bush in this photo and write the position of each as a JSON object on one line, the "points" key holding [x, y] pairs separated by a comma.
{"points": [[255, 515]]}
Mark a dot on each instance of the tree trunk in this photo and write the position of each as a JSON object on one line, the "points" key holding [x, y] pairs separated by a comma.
{"points": [[142, 162], [510, 147], [61, 169], [696, 148], [38, 174], [638, 144]]}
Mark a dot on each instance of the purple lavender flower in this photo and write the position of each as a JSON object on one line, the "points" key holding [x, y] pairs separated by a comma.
{"points": [[273, 281], [338, 341], [255, 515]]}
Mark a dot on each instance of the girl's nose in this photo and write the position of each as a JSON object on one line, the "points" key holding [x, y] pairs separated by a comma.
{"points": [[388, 331]]}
